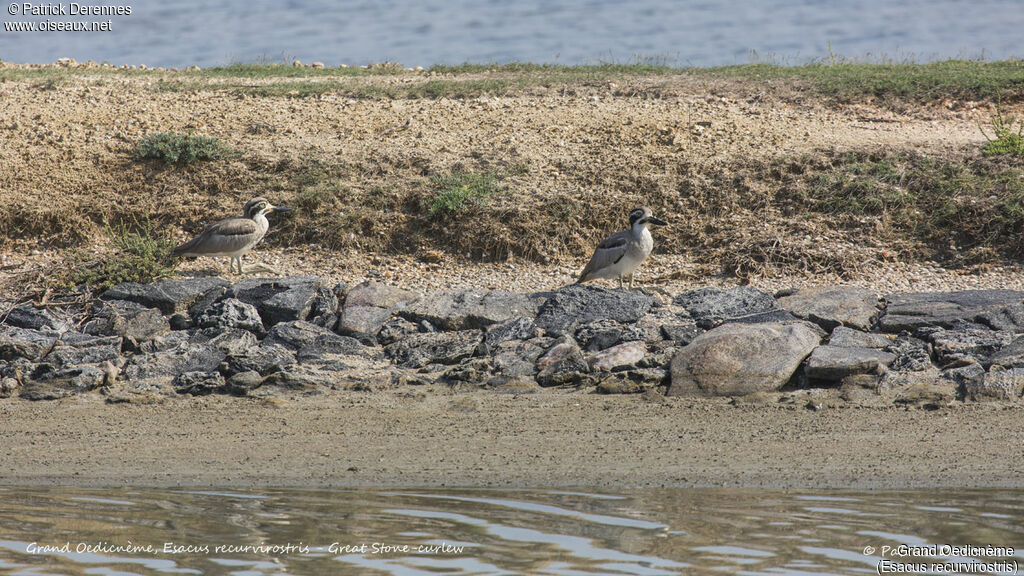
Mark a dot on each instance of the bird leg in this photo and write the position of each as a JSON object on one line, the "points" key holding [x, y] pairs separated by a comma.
{"points": [[620, 281]]}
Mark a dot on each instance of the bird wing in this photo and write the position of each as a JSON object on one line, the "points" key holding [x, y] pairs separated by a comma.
{"points": [[608, 252], [221, 237]]}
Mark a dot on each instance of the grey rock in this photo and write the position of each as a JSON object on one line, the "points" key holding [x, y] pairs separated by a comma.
{"points": [[166, 342], [834, 306], [243, 383], [326, 307], [473, 371], [379, 296], [52, 385], [28, 316], [163, 367], [833, 363], [577, 304], [1009, 356], [916, 310], [231, 313], [284, 299], [710, 307], [971, 374], [959, 345], [230, 341], [599, 334], [912, 354], [170, 296], [25, 343], [313, 378], [625, 354], [419, 350], [264, 359], [362, 322], [848, 337], [68, 356], [298, 334], [327, 345], [513, 385], [180, 322], [632, 381], [394, 330], [129, 320], [198, 383], [766, 317], [518, 358], [1009, 318], [562, 364], [681, 334], [997, 384], [739, 359], [469, 309], [521, 328]]}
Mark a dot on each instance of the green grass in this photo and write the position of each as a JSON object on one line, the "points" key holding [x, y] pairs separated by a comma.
{"points": [[141, 254], [1004, 139], [177, 148], [462, 190]]}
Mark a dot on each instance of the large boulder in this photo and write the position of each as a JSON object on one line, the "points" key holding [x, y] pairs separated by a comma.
{"points": [[625, 354], [379, 296], [562, 364], [738, 359], [133, 322], [171, 296], [576, 305], [469, 309], [711, 307], [833, 363], [25, 343], [419, 350], [288, 299], [362, 322], [231, 313], [833, 306], [848, 337], [998, 309], [28, 316], [968, 345]]}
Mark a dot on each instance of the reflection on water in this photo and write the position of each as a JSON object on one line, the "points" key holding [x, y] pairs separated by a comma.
{"points": [[429, 531]]}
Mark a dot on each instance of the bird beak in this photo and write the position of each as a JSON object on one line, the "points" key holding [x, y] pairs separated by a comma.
{"points": [[657, 221], [278, 209]]}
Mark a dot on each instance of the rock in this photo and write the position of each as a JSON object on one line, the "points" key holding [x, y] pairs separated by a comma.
{"points": [[469, 309], [94, 351], [242, 383], [1009, 356], [518, 358], [577, 304], [264, 359], [395, 329], [419, 350], [28, 316], [9, 387], [738, 359], [232, 341], [929, 396], [167, 342], [474, 371], [379, 296], [521, 328], [710, 307], [170, 296], [51, 385], [198, 383], [912, 354], [129, 320], [314, 378], [834, 306], [848, 337], [626, 354], [562, 364], [155, 370], [970, 374], [680, 334], [599, 334], [286, 299], [25, 343], [513, 385], [975, 345], [916, 310], [231, 313], [997, 384], [298, 334], [632, 381], [833, 363], [362, 323]]}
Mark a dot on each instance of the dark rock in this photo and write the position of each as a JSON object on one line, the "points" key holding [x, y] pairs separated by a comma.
{"points": [[323, 346], [738, 359], [997, 384], [951, 346], [577, 304], [314, 378], [362, 323], [681, 334], [379, 296], [283, 299], [475, 371], [515, 329], [198, 383], [230, 341], [104, 349], [133, 322], [626, 354], [972, 374], [562, 364], [326, 307], [834, 306], [299, 334], [518, 358], [419, 350], [264, 359], [158, 368], [912, 354], [175, 295], [167, 342], [51, 385], [180, 322], [394, 330], [42, 319], [25, 343], [710, 307], [231, 313], [767, 317], [915, 310], [243, 383], [833, 363], [599, 334], [619, 384], [929, 396], [469, 309], [1009, 356], [848, 337]]}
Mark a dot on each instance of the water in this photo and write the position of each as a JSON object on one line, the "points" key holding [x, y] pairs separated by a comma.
{"points": [[425, 32], [430, 531]]}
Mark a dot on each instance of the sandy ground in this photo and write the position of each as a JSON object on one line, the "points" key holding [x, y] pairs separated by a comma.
{"points": [[556, 438]]}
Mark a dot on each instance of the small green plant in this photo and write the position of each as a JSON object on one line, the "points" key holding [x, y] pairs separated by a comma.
{"points": [[175, 148], [462, 189], [141, 254], [1004, 139]]}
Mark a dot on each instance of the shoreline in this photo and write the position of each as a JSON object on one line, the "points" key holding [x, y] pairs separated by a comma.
{"points": [[552, 439]]}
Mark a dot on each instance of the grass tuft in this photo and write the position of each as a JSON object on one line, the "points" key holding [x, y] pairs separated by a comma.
{"points": [[1004, 140], [141, 254], [177, 148], [461, 190]]}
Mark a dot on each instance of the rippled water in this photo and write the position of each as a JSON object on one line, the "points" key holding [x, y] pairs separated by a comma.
{"points": [[667, 531], [425, 32]]}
